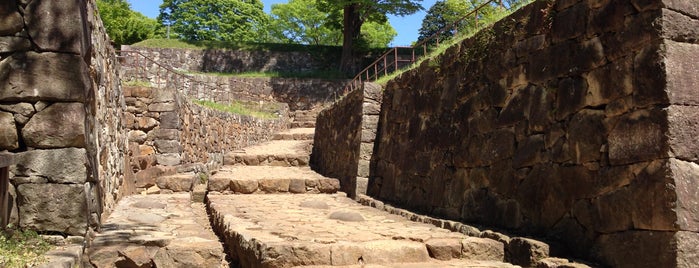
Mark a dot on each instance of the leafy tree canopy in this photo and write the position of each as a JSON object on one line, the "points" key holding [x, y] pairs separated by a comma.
{"points": [[355, 13], [124, 25], [301, 22], [220, 20], [444, 13]]}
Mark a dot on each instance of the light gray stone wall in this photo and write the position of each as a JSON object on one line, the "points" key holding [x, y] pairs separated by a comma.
{"points": [[169, 133], [60, 106]]}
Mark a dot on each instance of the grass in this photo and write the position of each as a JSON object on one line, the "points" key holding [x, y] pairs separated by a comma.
{"points": [[21, 248], [324, 74], [264, 111], [137, 83], [435, 51]]}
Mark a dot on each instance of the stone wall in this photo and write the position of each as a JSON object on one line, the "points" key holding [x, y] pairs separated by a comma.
{"points": [[60, 106], [344, 138], [299, 93], [239, 61], [575, 120], [168, 133]]}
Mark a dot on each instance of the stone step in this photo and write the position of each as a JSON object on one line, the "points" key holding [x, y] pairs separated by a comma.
{"points": [[183, 182], [302, 124], [273, 153], [430, 264], [166, 230], [295, 134], [269, 179], [283, 230]]}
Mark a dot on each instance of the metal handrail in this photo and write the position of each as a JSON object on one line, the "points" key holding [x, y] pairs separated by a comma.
{"points": [[382, 64], [172, 78]]}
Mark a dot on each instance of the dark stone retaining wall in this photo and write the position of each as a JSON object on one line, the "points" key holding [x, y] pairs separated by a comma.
{"points": [[574, 120], [60, 115], [344, 137]]}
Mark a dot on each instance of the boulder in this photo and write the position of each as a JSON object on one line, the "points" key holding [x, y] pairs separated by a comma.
{"points": [[58, 126], [527, 252], [52, 207], [46, 76], [483, 249], [57, 26], [58, 165]]}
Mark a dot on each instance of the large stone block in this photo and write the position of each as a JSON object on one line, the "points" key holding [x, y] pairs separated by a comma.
{"points": [[638, 136], [57, 25], [10, 44], [680, 27], [43, 76], [682, 132], [686, 205], [60, 125], [10, 19], [636, 249], [52, 207], [8, 133], [681, 64], [67, 165]]}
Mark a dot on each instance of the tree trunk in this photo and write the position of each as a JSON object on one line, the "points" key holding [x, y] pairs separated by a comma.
{"points": [[352, 25]]}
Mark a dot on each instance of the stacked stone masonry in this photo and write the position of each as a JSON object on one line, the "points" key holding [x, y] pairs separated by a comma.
{"points": [[572, 120], [345, 136], [169, 134], [300, 94], [60, 111]]}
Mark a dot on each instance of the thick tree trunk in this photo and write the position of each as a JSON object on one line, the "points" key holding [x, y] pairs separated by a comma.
{"points": [[352, 25]]}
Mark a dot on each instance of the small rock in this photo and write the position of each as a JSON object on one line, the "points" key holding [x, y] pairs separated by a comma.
{"points": [[149, 204], [147, 218], [314, 204], [346, 216]]}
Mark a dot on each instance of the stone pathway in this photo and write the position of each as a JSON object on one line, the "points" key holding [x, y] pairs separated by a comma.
{"points": [[270, 209], [165, 230]]}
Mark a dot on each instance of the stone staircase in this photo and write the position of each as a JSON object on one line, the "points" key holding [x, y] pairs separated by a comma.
{"points": [[269, 209], [304, 118]]}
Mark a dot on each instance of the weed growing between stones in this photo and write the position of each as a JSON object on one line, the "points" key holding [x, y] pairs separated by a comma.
{"points": [[254, 109], [21, 248]]}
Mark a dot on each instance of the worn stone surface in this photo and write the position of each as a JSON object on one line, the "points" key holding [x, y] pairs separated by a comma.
{"points": [[527, 252], [271, 179], [9, 139], [54, 26], [169, 231], [26, 79], [52, 207], [265, 222], [56, 165], [59, 125]]}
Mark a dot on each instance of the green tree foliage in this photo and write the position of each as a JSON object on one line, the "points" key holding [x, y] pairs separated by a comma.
{"points": [[355, 13], [124, 25], [301, 22], [445, 13], [219, 20]]}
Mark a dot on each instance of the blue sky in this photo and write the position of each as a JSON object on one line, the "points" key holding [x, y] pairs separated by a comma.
{"points": [[405, 26]]}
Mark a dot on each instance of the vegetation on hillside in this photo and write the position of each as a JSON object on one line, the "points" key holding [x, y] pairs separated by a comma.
{"points": [[445, 13], [123, 25], [465, 32], [263, 110]]}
